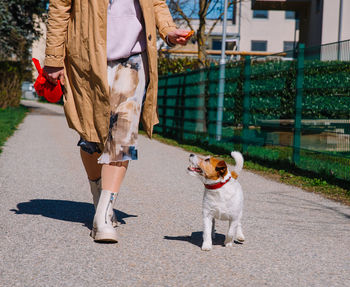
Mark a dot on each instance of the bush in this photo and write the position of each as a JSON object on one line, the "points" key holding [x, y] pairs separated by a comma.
{"points": [[11, 76], [179, 65]]}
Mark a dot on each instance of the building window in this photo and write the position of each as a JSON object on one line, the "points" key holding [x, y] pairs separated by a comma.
{"points": [[260, 14], [288, 46], [216, 45], [260, 46], [290, 15]]}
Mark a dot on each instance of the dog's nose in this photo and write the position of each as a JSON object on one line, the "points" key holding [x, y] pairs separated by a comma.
{"points": [[191, 155]]}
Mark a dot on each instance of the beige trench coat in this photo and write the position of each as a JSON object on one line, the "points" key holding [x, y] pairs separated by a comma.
{"points": [[76, 40]]}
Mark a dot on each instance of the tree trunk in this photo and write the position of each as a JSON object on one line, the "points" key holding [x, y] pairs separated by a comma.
{"points": [[201, 40], [201, 36]]}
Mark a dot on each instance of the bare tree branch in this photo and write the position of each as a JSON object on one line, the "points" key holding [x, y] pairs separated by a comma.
{"points": [[181, 8], [203, 8], [219, 18], [175, 6], [213, 7]]}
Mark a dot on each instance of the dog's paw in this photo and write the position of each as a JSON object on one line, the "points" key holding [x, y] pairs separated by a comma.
{"points": [[206, 246], [229, 244]]}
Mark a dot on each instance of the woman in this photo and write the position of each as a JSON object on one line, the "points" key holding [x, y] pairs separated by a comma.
{"points": [[104, 52]]}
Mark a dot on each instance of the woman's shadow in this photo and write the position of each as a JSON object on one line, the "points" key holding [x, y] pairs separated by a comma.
{"points": [[66, 210]]}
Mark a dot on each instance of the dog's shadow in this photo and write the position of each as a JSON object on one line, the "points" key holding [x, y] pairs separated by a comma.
{"points": [[196, 238], [65, 210]]}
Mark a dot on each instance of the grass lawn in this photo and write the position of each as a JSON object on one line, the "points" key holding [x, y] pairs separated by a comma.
{"points": [[311, 184], [9, 120]]}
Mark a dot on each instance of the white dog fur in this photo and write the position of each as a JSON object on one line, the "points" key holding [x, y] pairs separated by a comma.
{"points": [[223, 196]]}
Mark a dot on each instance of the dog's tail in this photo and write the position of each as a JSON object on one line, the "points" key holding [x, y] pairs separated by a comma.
{"points": [[239, 161]]}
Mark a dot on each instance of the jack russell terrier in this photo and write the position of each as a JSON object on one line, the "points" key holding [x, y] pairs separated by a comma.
{"points": [[223, 196]]}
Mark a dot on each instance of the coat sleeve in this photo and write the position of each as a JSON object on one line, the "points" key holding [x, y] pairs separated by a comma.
{"points": [[164, 21], [59, 14]]}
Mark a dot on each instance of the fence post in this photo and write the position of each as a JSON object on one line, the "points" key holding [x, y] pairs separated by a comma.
{"points": [[298, 104], [181, 132], [164, 110], [246, 101], [220, 103], [206, 103], [200, 125]]}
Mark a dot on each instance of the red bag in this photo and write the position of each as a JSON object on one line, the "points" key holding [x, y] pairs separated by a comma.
{"points": [[52, 93]]}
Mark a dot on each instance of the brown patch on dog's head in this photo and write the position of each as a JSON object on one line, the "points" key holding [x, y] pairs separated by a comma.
{"points": [[213, 168]]}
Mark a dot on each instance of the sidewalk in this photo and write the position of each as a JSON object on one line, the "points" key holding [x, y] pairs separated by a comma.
{"points": [[293, 238]]}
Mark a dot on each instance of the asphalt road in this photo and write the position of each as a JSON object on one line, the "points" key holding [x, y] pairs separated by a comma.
{"points": [[293, 238]]}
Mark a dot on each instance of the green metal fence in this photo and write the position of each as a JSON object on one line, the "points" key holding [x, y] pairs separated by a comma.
{"points": [[293, 111]]}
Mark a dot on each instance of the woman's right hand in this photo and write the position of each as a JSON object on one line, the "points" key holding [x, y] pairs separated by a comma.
{"points": [[52, 74]]}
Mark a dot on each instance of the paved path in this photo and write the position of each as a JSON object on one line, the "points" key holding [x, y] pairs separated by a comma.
{"points": [[293, 238]]}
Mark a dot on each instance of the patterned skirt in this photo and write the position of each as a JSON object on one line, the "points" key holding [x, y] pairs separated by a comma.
{"points": [[127, 79]]}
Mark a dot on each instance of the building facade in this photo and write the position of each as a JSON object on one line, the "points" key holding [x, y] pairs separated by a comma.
{"points": [[321, 21], [249, 30]]}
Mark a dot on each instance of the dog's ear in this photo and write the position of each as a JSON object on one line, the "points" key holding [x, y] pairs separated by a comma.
{"points": [[221, 168]]}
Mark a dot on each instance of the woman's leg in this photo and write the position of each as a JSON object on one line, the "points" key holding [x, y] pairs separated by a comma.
{"points": [[93, 171], [120, 147], [112, 175], [92, 168]]}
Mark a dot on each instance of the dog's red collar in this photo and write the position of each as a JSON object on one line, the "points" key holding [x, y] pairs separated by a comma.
{"points": [[216, 185]]}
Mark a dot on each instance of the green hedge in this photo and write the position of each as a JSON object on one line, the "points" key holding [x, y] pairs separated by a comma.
{"points": [[326, 92], [178, 65]]}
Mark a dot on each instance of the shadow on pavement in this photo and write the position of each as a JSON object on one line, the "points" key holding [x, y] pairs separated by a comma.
{"points": [[66, 210], [196, 238], [43, 111]]}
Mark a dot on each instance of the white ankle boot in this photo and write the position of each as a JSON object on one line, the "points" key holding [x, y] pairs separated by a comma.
{"points": [[95, 187], [103, 230]]}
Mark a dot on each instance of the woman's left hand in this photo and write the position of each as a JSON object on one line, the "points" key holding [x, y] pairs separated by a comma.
{"points": [[178, 36]]}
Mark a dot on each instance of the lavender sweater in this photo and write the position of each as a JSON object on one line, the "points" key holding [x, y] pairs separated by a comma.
{"points": [[125, 32]]}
